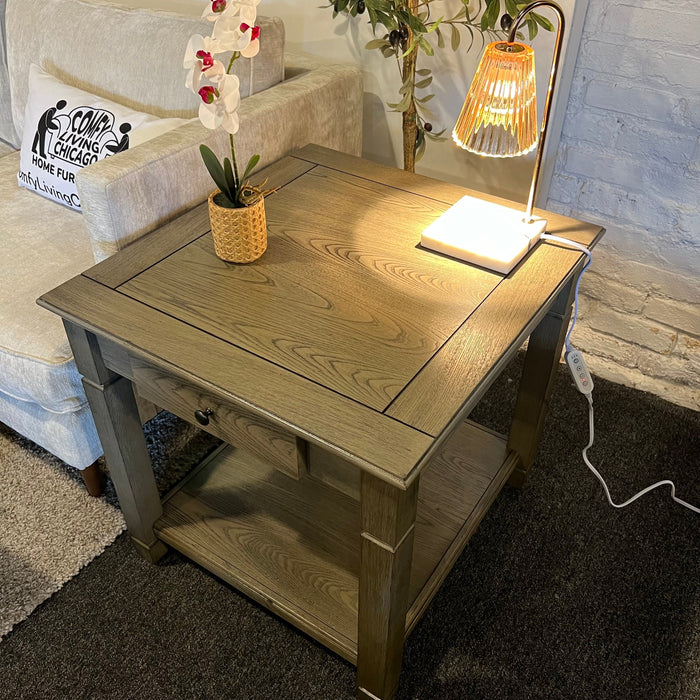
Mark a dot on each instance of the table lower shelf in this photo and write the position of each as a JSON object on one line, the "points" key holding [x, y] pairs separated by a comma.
{"points": [[294, 546]]}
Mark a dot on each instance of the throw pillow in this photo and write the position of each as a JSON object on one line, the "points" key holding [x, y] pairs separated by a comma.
{"points": [[66, 129]]}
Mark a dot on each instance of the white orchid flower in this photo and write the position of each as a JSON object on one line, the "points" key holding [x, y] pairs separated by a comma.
{"points": [[218, 8], [220, 104], [253, 32], [232, 35], [200, 62]]}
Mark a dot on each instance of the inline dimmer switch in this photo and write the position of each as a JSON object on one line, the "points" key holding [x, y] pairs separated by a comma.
{"points": [[579, 371]]}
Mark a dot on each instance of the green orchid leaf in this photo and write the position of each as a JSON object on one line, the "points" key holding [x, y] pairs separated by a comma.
{"points": [[231, 190], [214, 167], [249, 168]]}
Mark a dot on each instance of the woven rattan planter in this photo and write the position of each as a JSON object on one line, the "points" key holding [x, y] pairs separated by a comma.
{"points": [[240, 235]]}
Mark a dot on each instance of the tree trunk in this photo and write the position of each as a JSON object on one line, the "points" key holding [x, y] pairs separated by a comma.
{"points": [[410, 128]]}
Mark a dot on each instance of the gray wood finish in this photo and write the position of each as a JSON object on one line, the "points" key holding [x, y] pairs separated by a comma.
{"points": [[257, 530], [543, 355], [237, 426], [176, 234], [388, 529], [298, 305], [345, 335], [116, 415], [366, 438]]}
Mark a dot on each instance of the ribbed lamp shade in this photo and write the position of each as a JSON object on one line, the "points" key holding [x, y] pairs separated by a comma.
{"points": [[499, 116]]}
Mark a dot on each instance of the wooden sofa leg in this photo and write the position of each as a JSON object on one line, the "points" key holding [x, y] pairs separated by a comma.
{"points": [[92, 478]]}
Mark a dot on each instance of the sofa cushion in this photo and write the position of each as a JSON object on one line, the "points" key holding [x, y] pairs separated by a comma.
{"points": [[111, 51], [41, 246], [68, 128]]}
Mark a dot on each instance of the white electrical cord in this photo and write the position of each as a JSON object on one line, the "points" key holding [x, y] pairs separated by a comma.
{"points": [[587, 392], [605, 486]]}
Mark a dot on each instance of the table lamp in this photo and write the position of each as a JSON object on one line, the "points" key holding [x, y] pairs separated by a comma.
{"points": [[499, 119]]}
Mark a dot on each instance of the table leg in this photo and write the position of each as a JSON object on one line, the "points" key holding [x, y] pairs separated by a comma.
{"points": [[388, 524], [541, 362], [113, 406]]}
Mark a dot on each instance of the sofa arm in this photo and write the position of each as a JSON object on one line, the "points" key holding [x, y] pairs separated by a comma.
{"points": [[126, 196]]}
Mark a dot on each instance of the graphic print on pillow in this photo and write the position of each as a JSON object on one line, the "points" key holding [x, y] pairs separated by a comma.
{"points": [[66, 129]]}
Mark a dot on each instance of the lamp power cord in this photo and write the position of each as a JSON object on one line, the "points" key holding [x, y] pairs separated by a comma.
{"points": [[584, 383]]}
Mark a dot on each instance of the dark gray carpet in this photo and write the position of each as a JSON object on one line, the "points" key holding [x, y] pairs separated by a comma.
{"points": [[556, 596]]}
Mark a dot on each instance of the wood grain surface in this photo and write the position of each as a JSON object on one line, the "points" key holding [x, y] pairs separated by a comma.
{"points": [[233, 424], [458, 375], [366, 438], [187, 227], [295, 546], [342, 296]]}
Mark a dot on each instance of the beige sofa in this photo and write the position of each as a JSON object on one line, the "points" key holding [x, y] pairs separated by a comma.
{"points": [[133, 57]]}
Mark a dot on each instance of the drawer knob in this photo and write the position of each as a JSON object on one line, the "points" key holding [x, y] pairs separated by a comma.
{"points": [[203, 416]]}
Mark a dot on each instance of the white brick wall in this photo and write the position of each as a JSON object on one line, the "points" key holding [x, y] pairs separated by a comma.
{"points": [[630, 160]]}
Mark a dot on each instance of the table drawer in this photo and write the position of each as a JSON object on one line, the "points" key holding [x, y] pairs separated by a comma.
{"points": [[231, 423]]}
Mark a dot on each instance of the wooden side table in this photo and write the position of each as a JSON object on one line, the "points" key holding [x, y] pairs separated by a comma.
{"points": [[342, 365]]}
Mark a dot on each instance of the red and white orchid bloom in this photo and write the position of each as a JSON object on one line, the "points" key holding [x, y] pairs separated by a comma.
{"points": [[219, 106], [199, 59], [217, 8], [232, 35], [254, 44]]}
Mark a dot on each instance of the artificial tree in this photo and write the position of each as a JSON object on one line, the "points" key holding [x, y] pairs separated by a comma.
{"points": [[412, 26]]}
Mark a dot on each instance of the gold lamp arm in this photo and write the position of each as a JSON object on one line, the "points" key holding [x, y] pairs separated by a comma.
{"points": [[550, 90]]}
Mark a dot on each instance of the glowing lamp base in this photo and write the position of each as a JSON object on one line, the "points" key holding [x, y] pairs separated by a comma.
{"points": [[483, 233]]}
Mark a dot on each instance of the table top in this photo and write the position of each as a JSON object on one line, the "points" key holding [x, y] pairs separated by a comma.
{"points": [[346, 332]]}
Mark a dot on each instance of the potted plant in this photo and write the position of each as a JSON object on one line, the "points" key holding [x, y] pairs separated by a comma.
{"points": [[237, 208], [407, 26]]}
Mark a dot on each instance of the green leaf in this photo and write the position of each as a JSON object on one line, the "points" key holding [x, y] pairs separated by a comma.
{"points": [[388, 52], [490, 16], [456, 37], [231, 190], [542, 21], [531, 27], [425, 99], [423, 83], [511, 8], [440, 39], [214, 167], [425, 45], [377, 44], [423, 71], [419, 148], [417, 27], [403, 105], [249, 168]]}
